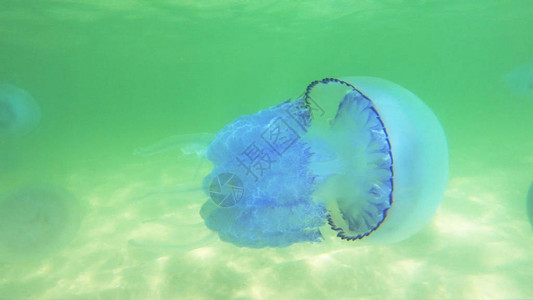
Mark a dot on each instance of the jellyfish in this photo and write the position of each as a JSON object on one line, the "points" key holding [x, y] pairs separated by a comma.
{"points": [[361, 157], [520, 81], [530, 205], [36, 221], [19, 113]]}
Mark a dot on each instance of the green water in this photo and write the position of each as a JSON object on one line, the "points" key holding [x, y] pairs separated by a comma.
{"points": [[111, 76]]}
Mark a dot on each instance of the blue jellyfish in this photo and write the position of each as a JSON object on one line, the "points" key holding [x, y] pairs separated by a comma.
{"points": [[36, 221], [362, 156], [19, 113], [530, 204], [359, 157], [520, 81]]}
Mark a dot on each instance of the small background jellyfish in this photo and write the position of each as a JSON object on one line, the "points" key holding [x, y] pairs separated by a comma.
{"points": [[530, 205], [520, 81], [36, 221], [19, 113]]}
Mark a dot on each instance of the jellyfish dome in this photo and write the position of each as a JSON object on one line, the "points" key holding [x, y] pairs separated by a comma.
{"points": [[36, 221], [19, 113], [361, 157]]}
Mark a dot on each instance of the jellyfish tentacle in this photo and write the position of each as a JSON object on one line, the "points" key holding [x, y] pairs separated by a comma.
{"points": [[169, 190], [195, 143]]}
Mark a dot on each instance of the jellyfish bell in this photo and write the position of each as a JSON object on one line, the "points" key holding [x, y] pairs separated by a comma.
{"points": [[36, 221], [395, 163], [19, 113]]}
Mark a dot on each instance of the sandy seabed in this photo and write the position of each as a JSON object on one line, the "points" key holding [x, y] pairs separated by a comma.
{"points": [[143, 238]]}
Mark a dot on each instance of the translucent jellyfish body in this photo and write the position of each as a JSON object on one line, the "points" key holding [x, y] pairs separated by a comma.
{"points": [[529, 205], [36, 221], [361, 156], [520, 81], [19, 113]]}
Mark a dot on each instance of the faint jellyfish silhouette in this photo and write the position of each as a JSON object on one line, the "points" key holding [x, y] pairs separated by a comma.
{"points": [[36, 221], [19, 113], [520, 81], [530, 205]]}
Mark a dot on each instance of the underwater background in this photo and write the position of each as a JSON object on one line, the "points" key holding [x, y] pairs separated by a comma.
{"points": [[112, 76]]}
